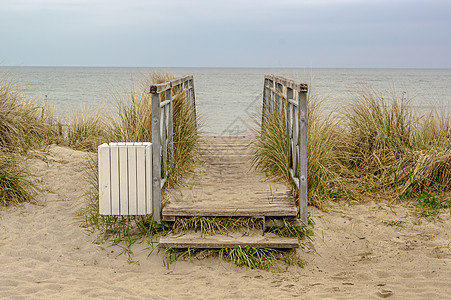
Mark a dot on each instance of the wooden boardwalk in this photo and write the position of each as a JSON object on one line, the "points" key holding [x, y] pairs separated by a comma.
{"points": [[224, 184]]}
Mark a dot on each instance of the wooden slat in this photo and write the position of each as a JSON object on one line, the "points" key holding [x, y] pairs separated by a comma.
{"points": [[225, 184], [114, 159], [193, 240], [132, 181], [221, 211], [123, 180], [141, 180], [104, 180]]}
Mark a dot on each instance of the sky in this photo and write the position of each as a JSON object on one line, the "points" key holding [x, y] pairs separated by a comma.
{"points": [[232, 33]]}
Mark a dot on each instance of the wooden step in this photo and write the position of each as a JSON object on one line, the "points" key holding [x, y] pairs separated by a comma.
{"points": [[227, 211], [195, 240]]}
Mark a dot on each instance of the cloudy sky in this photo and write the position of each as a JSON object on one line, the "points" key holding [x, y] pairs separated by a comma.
{"points": [[232, 33]]}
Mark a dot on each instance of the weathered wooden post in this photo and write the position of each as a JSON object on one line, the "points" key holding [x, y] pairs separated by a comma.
{"points": [[303, 153], [156, 152]]}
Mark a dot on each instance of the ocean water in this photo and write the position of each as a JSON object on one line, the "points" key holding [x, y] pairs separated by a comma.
{"points": [[228, 99]]}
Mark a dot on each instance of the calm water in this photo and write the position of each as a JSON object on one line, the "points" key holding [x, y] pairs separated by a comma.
{"points": [[228, 98]]}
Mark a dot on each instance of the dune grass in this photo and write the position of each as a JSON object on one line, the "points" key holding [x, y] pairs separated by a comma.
{"points": [[391, 149], [270, 152], [379, 148], [24, 125], [87, 130], [15, 184]]}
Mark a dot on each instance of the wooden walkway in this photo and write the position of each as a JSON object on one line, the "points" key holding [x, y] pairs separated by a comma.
{"points": [[224, 184]]}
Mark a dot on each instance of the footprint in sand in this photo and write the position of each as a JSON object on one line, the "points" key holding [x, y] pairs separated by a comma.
{"points": [[384, 293]]}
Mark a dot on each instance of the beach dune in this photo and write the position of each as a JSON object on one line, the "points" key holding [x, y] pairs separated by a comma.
{"points": [[46, 254]]}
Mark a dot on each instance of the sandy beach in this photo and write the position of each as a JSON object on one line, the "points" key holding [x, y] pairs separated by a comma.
{"points": [[46, 254]]}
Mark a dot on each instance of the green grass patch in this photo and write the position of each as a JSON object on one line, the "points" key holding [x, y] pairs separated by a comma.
{"points": [[251, 257], [394, 223], [430, 206]]}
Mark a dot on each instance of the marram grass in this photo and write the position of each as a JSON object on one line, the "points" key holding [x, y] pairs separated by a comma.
{"points": [[271, 154], [389, 148], [15, 184], [24, 124], [378, 148], [86, 131]]}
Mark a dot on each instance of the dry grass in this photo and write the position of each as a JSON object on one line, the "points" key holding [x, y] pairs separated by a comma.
{"points": [[86, 131], [24, 124], [390, 149], [15, 183], [271, 155], [186, 138], [378, 149]]}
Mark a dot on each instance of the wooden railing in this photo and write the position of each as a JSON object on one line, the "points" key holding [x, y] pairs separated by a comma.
{"points": [[162, 132], [290, 98]]}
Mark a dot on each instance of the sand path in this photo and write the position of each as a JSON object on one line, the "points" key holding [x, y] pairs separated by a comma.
{"points": [[45, 254]]}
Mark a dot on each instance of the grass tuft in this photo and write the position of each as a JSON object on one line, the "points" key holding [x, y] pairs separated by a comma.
{"points": [[430, 206], [24, 124], [216, 225], [87, 131], [254, 258], [15, 184]]}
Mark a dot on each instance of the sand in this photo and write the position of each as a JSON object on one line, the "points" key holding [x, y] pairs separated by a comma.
{"points": [[46, 254]]}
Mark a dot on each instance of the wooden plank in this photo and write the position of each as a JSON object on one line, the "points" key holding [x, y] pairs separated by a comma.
{"points": [[193, 240], [141, 180], [104, 180], [115, 198], [229, 212], [132, 180], [123, 180], [225, 184], [156, 89]]}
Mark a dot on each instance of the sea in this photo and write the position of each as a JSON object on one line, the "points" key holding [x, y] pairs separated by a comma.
{"points": [[228, 100]]}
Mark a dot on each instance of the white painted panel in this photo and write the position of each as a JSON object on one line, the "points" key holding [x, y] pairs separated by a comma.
{"points": [[123, 182], [132, 183], [114, 161], [104, 180], [141, 179]]}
